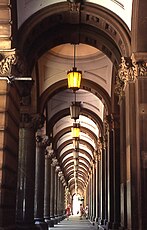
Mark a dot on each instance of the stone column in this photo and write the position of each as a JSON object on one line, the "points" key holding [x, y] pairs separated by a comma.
{"points": [[91, 193], [47, 189], [123, 191], [97, 187], [56, 195], [41, 142], [111, 149], [94, 191], [26, 172], [52, 194], [116, 170], [9, 127]]}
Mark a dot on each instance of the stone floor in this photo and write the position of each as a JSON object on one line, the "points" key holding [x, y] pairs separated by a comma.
{"points": [[74, 223]]}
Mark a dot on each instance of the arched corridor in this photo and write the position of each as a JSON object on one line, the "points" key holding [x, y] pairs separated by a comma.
{"points": [[73, 114]]}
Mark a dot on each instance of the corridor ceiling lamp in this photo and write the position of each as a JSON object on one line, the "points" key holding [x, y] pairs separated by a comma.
{"points": [[76, 144], [75, 130], [74, 76], [76, 161], [75, 109], [75, 154]]}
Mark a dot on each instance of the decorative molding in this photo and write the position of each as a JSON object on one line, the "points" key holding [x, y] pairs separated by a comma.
{"points": [[8, 58], [35, 121], [129, 70], [49, 151], [54, 162]]}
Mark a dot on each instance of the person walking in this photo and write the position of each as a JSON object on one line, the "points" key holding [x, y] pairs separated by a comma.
{"points": [[81, 211], [68, 211]]}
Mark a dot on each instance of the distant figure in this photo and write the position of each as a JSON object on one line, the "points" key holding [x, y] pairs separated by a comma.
{"points": [[86, 211], [68, 211], [81, 211]]}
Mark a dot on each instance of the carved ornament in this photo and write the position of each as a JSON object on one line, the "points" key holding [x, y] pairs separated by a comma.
{"points": [[54, 162], [49, 151], [7, 59], [128, 71]]}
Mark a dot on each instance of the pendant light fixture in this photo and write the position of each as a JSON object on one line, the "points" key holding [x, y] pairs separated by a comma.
{"points": [[74, 76]]}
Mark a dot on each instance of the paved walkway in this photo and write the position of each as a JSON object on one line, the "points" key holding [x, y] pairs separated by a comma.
{"points": [[74, 223]]}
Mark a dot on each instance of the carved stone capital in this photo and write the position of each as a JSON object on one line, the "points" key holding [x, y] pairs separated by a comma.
{"points": [[32, 121], [110, 120], [58, 169], [54, 162], [42, 140], [49, 151], [139, 66], [129, 70], [12, 64], [8, 58]]}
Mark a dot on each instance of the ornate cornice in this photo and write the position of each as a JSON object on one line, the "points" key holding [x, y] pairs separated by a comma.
{"points": [[129, 70]]}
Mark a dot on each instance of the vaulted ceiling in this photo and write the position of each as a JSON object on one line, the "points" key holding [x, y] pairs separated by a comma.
{"points": [[46, 36]]}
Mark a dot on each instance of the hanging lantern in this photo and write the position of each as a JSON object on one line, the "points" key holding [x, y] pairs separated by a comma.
{"points": [[75, 130], [74, 76], [76, 161], [76, 144], [75, 154], [75, 110], [74, 79]]}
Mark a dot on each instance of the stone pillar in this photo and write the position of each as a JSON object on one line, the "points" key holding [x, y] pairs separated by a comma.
{"points": [[59, 197], [9, 124], [123, 190], [131, 83], [52, 194], [138, 147], [47, 186], [97, 188], [41, 142], [116, 170], [94, 191], [111, 149], [26, 173], [56, 195], [61, 184], [91, 196]]}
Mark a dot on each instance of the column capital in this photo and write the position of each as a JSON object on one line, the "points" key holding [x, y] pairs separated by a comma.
{"points": [[49, 151], [129, 70], [126, 74], [54, 162], [8, 58], [35, 121]]}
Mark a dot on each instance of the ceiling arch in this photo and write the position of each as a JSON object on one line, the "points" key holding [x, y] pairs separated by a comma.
{"points": [[100, 28], [96, 27]]}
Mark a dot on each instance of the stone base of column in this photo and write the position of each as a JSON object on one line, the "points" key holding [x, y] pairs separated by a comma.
{"points": [[121, 228], [42, 225], [26, 227], [56, 220], [115, 226], [50, 222]]}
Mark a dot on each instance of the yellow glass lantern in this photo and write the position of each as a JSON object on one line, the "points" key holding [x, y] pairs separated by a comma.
{"points": [[74, 79], [75, 130]]}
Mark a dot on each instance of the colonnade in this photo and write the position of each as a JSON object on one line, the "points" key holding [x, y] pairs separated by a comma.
{"points": [[102, 192], [41, 184]]}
